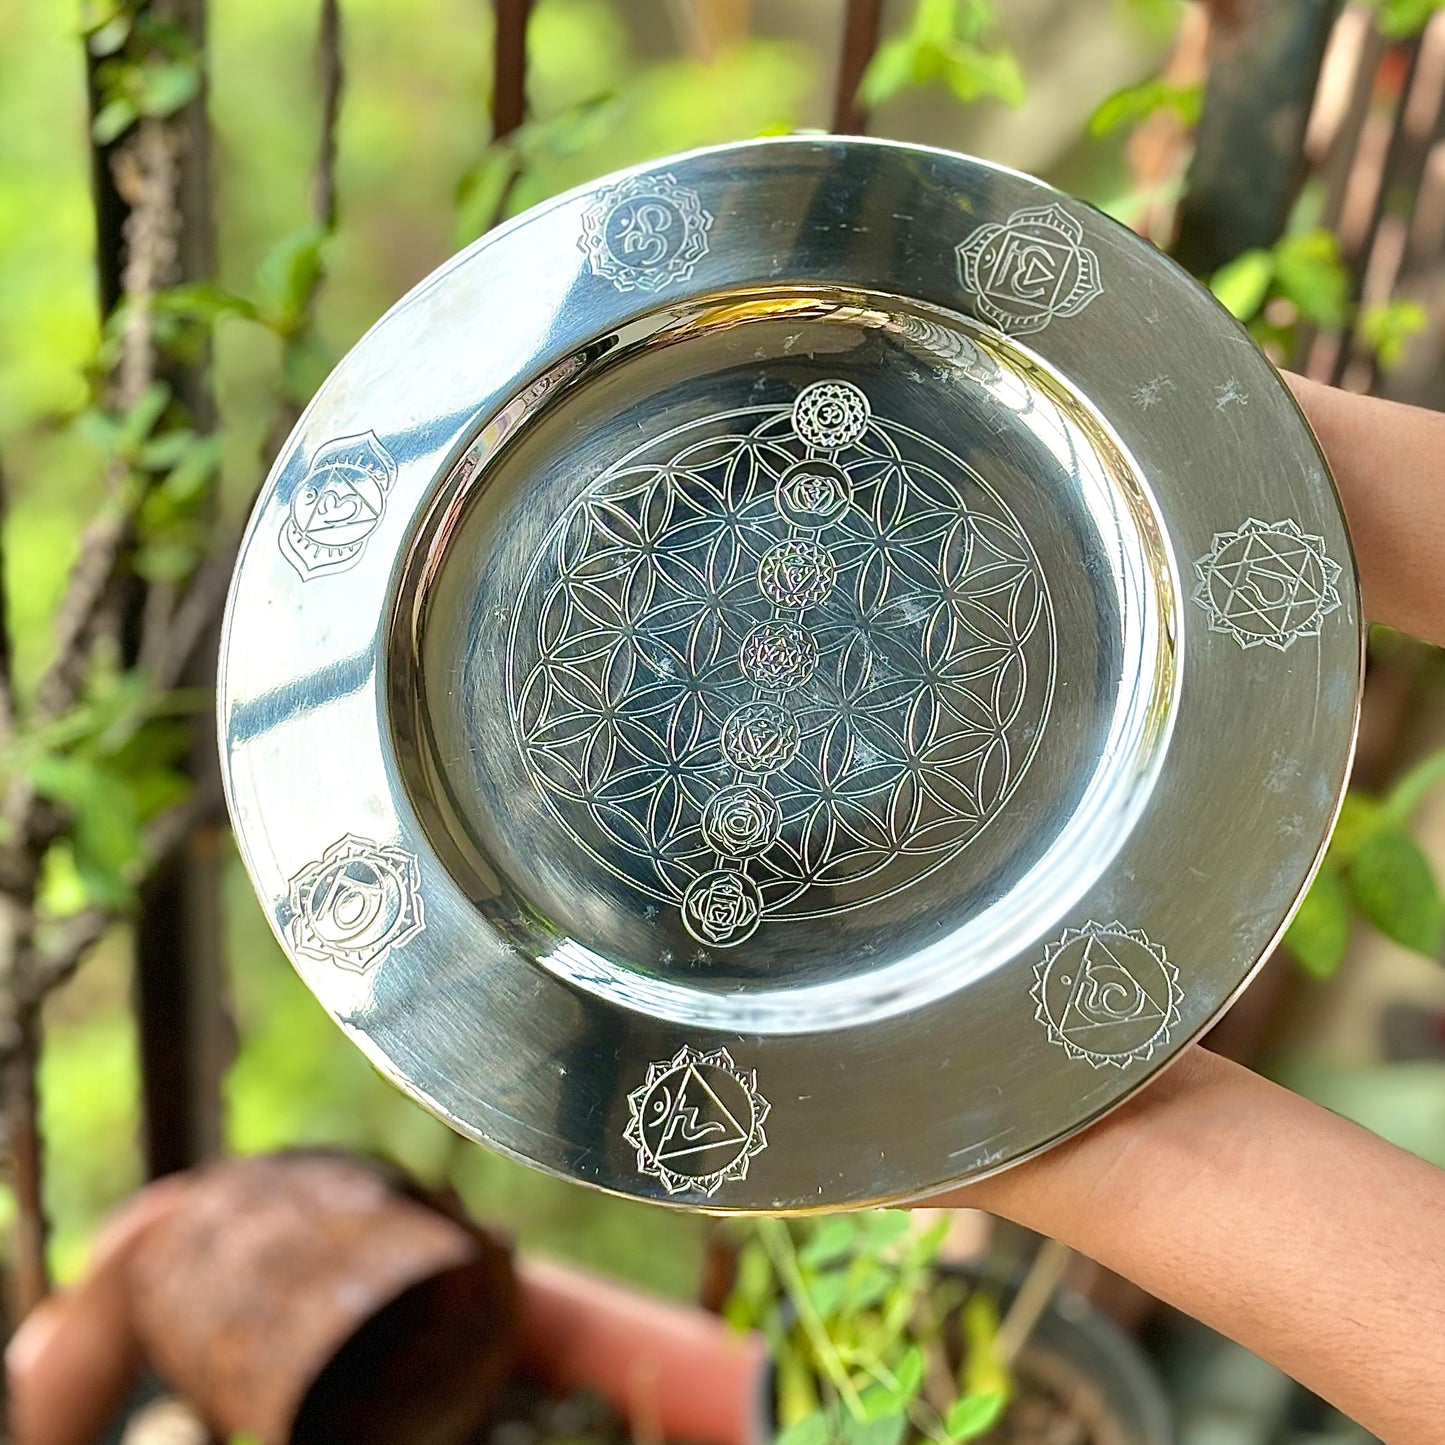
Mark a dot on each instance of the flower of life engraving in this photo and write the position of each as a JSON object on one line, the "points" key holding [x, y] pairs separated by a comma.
{"points": [[780, 662]]}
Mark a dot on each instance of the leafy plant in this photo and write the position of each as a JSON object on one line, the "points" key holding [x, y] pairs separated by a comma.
{"points": [[1374, 868], [855, 1310], [947, 40]]}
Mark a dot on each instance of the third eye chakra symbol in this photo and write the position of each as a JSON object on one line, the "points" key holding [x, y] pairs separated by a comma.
{"points": [[1106, 994], [645, 233], [337, 506], [1029, 269], [1268, 582], [697, 1121]]}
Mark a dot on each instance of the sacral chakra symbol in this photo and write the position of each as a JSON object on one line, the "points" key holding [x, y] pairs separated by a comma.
{"points": [[780, 661]]}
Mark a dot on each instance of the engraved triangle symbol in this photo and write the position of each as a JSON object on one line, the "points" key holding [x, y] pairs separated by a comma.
{"points": [[684, 1133], [1106, 993]]}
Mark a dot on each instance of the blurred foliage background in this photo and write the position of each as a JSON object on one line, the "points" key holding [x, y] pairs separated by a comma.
{"points": [[1096, 95]]}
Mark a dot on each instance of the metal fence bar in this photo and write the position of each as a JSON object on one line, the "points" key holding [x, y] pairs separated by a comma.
{"points": [[861, 25], [509, 66]]}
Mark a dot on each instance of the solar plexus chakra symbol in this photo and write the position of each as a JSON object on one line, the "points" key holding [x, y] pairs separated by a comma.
{"points": [[1268, 582], [780, 662], [1107, 995], [356, 903], [1029, 269], [337, 506], [645, 233], [697, 1121]]}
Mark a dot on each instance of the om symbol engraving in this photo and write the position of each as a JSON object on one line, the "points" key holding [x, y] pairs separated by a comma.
{"points": [[697, 1121], [1024, 272], [1268, 583], [337, 506], [645, 233], [776, 652], [355, 904], [1107, 995]]}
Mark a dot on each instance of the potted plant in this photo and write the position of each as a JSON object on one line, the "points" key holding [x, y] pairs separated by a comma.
{"points": [[874, 1342]]}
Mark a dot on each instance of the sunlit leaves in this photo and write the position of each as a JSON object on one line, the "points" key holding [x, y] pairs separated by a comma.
{"points": [[1136, 103], [949, 41]]}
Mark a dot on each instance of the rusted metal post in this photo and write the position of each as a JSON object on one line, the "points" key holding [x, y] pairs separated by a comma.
{"points": [[509, 67], [861, 25]]}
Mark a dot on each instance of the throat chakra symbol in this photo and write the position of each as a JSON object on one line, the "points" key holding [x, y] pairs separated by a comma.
{"points": [[697, 1121], [337, 506], [645, 232], [1107, 995], [779, 662], [1268, 582], [355, 904], [1026, 271]]}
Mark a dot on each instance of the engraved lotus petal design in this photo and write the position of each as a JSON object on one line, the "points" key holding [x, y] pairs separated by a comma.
{"points": [[831, 414], [778, 656], [797, 573], [741, 820]]}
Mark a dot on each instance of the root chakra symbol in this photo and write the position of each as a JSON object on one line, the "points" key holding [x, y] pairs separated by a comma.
{"points": [[1106, 994], [645, 233], [356, 903], [1029, 269], [1268, 582], [697, 1121], [337, 506]]}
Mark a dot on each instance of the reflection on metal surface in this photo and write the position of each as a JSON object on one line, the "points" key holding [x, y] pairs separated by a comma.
{"points": [[850, 636], [1029, 269], [697, 1121], [355, 904], [1268, 583], [337, 506], [645, 233], [1106, 994]]}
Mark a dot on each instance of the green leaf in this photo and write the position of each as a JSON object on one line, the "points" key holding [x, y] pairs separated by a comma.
{"points": [[810, 1430], [202, 301], [885, 1430], [884, 1227], [830, 1240], [1400, 18], [106, 836], [983, 1372], [1389, 325], [140, 421], [165, 87], [113, 119], [483, 189], [1410, 791], [191, 476], [944, 40], [1395, 889], [867, 1283], [909, 1372], [1308, 270], [1320, 931], [1360, 815], [1241, 285], [290, 272], [1136, 103], [974, 1415]]}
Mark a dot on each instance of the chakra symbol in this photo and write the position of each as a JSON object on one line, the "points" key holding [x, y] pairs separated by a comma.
{"points": [[741, 821], [797, 573], [1107, 994], [357, 903], [813, 493], [1030, 269], [830, 414], [760, 737], [778, 656], [645, 232], [697, 1121], [721, 907], [1269, 583], [338, 505]]}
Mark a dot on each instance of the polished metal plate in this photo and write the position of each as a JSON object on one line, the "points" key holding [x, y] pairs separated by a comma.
{"points": [[794, 676]]}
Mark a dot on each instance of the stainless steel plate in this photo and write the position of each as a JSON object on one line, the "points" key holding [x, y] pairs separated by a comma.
{"points": [[790, 677]]}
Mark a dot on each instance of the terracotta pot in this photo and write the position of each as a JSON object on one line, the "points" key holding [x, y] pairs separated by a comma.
{"points": [[673, 1372], [312, 1297]]}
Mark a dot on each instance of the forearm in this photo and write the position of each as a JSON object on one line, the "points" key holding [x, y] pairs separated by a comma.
{"points": [[1310, 1241], [1389, 461]]}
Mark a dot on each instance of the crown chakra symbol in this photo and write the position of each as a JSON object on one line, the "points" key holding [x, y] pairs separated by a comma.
{"points": [[1029, 269], [645, 232], [697, 1121], [337, 506], [1267, 583], [356, 903], [1106, 994]]}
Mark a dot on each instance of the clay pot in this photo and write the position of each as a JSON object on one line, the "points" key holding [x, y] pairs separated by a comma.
{"points": [[312, 1297]]}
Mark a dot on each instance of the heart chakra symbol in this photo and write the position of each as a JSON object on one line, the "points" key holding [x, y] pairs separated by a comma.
{"points": [[779, 662], [697, 1121]]}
